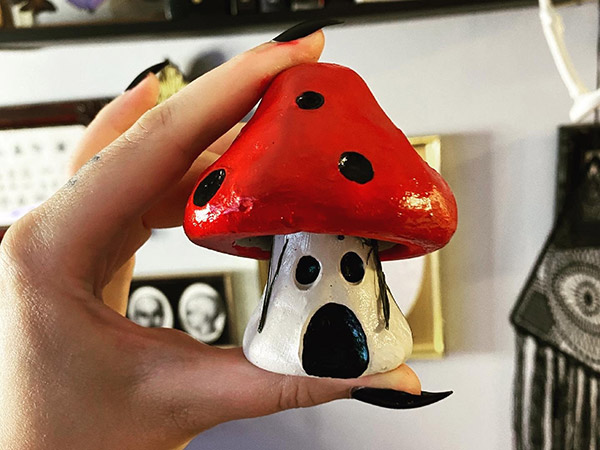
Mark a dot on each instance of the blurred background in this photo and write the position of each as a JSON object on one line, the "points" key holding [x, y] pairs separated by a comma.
{"points": [[485, 82]]}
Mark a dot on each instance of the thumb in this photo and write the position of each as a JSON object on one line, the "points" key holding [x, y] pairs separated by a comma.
{"points": [[219, 385]]}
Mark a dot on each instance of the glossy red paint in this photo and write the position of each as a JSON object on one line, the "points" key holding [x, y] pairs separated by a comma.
{"points": [[282, 174]]}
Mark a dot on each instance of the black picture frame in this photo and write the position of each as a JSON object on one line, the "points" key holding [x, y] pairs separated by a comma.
{"points": [[173, 287]]}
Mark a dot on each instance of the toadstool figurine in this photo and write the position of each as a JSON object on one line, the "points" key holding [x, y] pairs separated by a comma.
{"points": [[321, 182]]}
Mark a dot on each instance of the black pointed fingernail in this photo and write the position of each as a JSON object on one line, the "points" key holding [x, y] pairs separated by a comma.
{"points": [[152, 69], [304, 29], [389, 398]]}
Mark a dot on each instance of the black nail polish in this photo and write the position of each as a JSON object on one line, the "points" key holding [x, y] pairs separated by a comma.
{"points": [[389, 398], [152, 69], [304, 29]]}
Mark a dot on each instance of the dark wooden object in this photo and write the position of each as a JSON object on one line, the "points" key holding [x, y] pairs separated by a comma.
{"points": [[184, 17], [51, 114]]}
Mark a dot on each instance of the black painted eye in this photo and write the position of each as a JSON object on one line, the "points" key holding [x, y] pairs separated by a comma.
{"points": [[307, 270], [310, 100], [352, 267], [355, 167], [209, 187]]}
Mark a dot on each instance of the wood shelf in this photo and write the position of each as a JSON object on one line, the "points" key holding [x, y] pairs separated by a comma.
{"points": [[198, 20]]}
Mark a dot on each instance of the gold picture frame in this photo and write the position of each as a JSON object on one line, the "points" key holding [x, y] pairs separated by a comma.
{"points": [[425, 317]]}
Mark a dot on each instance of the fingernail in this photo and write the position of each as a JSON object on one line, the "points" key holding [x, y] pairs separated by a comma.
{"points": [[304, 29], [152, 69], [389, 398]]}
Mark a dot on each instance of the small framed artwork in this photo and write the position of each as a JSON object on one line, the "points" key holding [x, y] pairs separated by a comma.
{"points": [[415, 282], [36, 143], [200, 305], [38, 140], [423, 306]]}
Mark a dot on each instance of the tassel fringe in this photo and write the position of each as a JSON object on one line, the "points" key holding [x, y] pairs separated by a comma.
{"points": [[556, 400]]}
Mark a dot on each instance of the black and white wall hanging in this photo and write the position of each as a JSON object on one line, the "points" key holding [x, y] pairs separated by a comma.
{"points": [[557, 317]]}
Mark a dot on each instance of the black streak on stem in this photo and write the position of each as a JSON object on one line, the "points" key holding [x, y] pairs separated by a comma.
{"points": [[383, 289], [263, 315]]}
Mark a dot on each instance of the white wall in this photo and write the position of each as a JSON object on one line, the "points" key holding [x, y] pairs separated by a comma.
{"points": [[487, 84]]}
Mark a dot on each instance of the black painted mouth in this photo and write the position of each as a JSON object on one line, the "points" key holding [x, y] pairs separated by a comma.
{"points": [[335, 344]]}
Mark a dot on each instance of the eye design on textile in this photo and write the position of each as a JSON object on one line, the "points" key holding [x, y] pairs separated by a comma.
{"points": [[578, 288]]}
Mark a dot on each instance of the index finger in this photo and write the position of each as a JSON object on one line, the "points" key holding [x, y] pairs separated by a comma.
{"points": [[126, 178], [114, 119]]}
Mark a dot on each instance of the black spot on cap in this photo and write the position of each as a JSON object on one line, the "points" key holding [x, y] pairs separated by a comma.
{"points": [[335, 344], [310, 100], [208, 187], [353, 269], [307, 270], [355, 167]]}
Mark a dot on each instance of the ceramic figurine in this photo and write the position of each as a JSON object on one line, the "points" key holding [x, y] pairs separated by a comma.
{"points": [[321, 182], [37, 6], [88, 5]]}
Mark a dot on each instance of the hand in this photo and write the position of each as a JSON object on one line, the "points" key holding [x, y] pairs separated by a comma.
{"points": [[74, 372]]}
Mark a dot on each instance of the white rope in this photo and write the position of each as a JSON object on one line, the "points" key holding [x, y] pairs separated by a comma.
{"points": [[549, 397], [584, 101]]}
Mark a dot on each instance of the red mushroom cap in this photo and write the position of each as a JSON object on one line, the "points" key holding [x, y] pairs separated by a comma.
{"points": [[320, 156]]}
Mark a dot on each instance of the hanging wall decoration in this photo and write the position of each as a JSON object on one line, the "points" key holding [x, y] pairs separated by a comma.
{"points": [[323, 184], [557, 316], [199, 304]]}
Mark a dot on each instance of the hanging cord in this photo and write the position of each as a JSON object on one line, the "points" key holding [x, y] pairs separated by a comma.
{"points": [[584, 101]]}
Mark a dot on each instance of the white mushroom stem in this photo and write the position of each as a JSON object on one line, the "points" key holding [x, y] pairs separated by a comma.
{"points": [[351, 268], [348, 274]]}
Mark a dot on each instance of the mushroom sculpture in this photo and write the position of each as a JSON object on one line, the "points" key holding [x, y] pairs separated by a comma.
{"points": [[321, 182]]}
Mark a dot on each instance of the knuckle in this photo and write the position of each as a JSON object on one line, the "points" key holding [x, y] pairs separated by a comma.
{"points": [[158, 124], [136, 134], [287, 394], [165, 115], [295, 393], [161, 116], [24, 270], [146, 125], [25, 244]]}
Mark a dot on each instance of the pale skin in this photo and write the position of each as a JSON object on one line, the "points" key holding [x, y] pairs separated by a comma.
{"points": [[74, 373]]}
